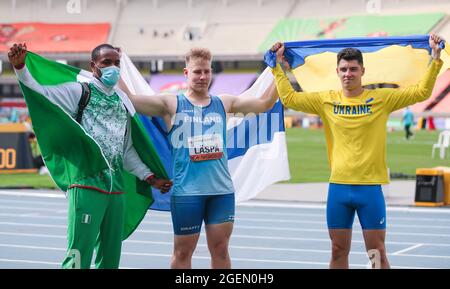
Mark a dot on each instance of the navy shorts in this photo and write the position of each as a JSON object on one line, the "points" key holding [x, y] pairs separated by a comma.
{"points": [[189, 212], [366, 200]]}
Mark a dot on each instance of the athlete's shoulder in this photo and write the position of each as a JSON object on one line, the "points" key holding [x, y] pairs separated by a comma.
{"points": [[384, 91]]}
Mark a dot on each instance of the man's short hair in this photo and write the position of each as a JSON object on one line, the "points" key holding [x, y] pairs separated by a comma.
{"points": [[350, 54], [202, 53], [96, 51]]}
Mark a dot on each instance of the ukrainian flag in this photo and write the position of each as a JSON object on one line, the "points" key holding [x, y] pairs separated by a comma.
{"points": [[400, 61]]}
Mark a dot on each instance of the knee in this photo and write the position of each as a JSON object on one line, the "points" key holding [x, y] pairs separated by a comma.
{"points": [[338, 251], [219, 250], [183, 253]]}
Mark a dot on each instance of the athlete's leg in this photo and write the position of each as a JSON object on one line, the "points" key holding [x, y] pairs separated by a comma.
{"points": [[340, 216], [219, 220], [86, 210], [109, 241], [183, 248], [372, 216], [375, 246], [341, 240], [187, 216], [218, 238]]}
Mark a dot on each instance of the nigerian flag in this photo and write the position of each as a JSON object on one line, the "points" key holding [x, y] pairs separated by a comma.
{"points": [[69, 153]]}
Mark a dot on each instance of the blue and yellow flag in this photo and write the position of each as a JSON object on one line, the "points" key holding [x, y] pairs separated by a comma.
{"points": [[388, 60]]}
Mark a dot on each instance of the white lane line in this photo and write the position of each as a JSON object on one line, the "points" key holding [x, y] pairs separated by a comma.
{"points": [[61, 204], [152, 214], [236, 227], [29, 262], [272, 204], [256, 248], [33, 209], [140, 254], [301, 230], [32, 247], [296, 205], [407, 249], [33, 225], [44, 263], [237, 223], [321, 216], [205, 245], [287, 221], [33, 216], [323, 207], [293, 238], [239, 236], [56, 195], [33, 235], [425, 256]]}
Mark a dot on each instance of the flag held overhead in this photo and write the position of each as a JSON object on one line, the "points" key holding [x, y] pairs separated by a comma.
{"points": [[395, 60]]}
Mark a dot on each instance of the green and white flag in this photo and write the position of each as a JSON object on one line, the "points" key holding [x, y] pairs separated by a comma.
{"points": [[69, 153]]}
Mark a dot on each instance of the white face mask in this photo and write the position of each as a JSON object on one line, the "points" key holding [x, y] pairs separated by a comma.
{"points": [[110, 75]]}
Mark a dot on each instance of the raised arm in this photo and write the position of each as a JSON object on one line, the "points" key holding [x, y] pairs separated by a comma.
{"points": [[154, 105], [250, 104], [399, 98], [65, 95], [309, 102]]}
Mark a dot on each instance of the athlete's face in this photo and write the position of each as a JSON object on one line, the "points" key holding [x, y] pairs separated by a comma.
{"points": [[198, 73], [350, 73], [107, 57]]}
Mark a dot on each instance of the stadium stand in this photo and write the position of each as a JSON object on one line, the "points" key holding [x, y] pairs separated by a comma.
{"points": [[166, 29], [240, 81], [220, 84], [440, 90], [236, 31], [55, 11]]}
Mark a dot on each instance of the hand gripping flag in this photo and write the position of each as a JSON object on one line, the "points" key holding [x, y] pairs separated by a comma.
{"points": [[388, 60], [256, 144], [69, 153]]}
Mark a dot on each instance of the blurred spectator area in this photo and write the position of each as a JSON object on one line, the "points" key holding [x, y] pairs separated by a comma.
{"points": [[157, 33], [13, 110], [232, 29]]}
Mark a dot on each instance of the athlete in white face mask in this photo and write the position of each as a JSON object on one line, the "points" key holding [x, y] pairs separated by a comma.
{"points": [[97, 203]]}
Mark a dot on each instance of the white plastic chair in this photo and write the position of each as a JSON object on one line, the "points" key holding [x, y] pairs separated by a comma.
{"points": [[442, 144]]}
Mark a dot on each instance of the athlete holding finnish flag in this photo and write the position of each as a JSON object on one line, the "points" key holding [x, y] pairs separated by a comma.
{"points": [[202, 185], [355, 128]]}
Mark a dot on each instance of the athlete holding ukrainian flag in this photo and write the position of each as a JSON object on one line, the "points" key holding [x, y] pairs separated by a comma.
{"points": [[355, 129]]}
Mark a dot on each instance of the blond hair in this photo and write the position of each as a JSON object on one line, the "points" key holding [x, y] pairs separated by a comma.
{"points": [[197, 52]]}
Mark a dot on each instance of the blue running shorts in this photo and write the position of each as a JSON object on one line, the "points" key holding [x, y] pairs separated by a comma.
{"points": [[188, 212], [366, 200]]}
